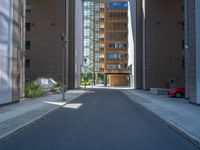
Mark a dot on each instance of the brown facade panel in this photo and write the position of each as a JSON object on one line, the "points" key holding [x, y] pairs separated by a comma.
{"points": [[46, 53], [163, 43]]}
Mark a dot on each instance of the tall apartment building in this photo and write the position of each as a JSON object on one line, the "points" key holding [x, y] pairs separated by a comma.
{"points": [[116, 43], [54, 40], [106, 40], [12, 25], [90, 30]]}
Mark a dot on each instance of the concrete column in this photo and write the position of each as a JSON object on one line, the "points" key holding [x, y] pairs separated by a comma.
{"points": [[137, 22], [197, 20], [105, 79], [143, 45], [186, 17], [18, 49], [78, 42]]}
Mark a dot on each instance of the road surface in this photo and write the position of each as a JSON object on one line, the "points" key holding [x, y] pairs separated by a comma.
{"points": [[104, 120]]}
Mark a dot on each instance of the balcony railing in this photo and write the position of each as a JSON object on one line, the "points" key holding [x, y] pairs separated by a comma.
{"points": [[117, 71]]}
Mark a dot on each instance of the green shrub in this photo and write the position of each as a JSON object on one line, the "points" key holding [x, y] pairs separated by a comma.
{"points": [[86, 83], [59, 85], [32, 90]]}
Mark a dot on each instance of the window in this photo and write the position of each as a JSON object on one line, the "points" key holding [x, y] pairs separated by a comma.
{"points": [[117, 66], [117, 36], [110, 56], [28, 8], [97, 37], [118, 5], [117, 46], [119, 26], [28, 26], [116, 15], [117, 56], [102, 36], [27, 63], [28, 45], [97, 47], [113, 56]]}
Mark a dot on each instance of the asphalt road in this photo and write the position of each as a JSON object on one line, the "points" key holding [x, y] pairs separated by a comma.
{"points": [[104, 120]]}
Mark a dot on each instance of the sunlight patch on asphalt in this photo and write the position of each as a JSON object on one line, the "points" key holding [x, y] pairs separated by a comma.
{"points": [[54, 103], [73, 106]]}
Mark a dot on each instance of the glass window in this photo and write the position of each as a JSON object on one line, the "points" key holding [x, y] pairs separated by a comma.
{"points": [[28, 45], [28, 26], [27, 63], [28, 8]]}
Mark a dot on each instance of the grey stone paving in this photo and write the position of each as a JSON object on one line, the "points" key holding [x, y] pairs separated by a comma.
{"points": [[178, 113], [15, 116]]}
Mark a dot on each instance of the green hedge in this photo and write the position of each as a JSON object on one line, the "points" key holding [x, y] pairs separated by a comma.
{"points": [[32, 90]]}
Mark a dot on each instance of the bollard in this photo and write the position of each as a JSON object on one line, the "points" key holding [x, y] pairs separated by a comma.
{"points": [[63, 93]]}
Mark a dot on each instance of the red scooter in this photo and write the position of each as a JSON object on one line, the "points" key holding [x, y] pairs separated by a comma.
{"points": [[177, 92]]}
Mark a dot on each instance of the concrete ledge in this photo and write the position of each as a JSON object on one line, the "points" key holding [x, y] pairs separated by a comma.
{"points": [[158, 91]]}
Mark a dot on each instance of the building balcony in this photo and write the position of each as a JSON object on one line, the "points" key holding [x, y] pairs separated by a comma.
{"points": [[102, 19], [102, 29], [117, 50], [117, 29], [109, 19], [99, 60], [101, 70], [102, 50], [117, 10], [119, 71], [116, 60]]}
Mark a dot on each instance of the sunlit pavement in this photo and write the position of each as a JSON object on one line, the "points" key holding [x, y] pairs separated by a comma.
{"points": [[105, 119], [101, 86]]}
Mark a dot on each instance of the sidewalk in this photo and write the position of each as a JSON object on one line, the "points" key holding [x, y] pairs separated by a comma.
{"points": [[177, 113], [16, 116]]}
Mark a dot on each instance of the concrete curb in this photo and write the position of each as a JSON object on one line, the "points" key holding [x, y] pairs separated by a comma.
{"points": [[170, 124], [15, 131]]}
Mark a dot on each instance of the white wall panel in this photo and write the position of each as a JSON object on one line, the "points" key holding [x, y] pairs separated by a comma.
{"points": [[6, 39]]}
